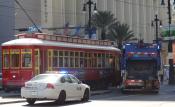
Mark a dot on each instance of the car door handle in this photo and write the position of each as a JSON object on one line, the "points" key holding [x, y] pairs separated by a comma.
{"points": [[79, 88]]}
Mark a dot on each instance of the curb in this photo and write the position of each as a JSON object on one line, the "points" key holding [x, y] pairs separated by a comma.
{"points": [[9, 102], [13, 100]]}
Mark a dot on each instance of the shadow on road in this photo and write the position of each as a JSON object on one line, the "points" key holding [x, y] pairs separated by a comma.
{"points": [[53, 104]]}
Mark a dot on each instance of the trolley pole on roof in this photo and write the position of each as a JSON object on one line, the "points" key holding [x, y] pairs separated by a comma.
{"points": [[19, 4]]}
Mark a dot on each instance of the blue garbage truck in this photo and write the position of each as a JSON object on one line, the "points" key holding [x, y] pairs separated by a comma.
{"points": [[140, 64]]}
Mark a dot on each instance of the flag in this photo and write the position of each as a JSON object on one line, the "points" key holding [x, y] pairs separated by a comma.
{"points": [[77, 31], [93, 33], [66, 28]]}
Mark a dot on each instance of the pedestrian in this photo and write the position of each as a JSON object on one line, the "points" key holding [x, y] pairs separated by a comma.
{"points": [[166, 74], [161, 76]]}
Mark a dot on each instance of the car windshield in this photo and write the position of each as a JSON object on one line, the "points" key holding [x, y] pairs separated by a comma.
{"points": [[45, 78]]}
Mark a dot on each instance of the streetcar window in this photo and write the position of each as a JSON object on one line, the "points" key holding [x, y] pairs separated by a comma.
{"points": [[94, 60], [103, 60], [85, 59], [66, 59], [107, 61], [60, 58], [14, 58], [26, 56], [99, 60], [55, 59], [89, 64], [77, 59], [72, 59], [5, 59], [81, 59]]}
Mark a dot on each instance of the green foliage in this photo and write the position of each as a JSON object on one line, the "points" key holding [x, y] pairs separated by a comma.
{"points": [[166, 33], [120, 32], [105, 21], [102, 20]]}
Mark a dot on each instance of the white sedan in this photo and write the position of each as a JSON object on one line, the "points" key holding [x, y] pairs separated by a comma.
{"points": [[58, 87]]}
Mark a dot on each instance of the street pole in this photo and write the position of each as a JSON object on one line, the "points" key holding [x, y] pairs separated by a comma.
{"points": [[170, 54], [89, 23], [89, 3], [156, 20]]}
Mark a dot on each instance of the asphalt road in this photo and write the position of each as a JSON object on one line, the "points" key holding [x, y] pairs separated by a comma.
{"points": [[166, 98]]}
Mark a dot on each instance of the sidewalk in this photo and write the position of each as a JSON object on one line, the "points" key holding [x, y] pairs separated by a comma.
{"points": [[6, 98]]}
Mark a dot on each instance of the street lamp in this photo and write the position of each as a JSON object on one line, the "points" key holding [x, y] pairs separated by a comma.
{"points": [[156, 20], [170, 54], [90, 3]]}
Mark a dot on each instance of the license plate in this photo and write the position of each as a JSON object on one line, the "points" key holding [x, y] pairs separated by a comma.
{"points": [[34, 93], [135, 83]]}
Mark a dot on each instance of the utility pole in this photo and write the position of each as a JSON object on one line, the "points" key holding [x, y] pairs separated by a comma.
{"points": [[157, 22], [170, 54], [90, 3]]}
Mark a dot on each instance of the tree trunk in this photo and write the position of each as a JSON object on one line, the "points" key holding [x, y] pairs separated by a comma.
{"points": [[103, 35], [120, 45]]}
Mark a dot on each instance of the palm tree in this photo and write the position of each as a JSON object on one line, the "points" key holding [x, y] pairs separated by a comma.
{"points": [[102, 20], [120, 32]]}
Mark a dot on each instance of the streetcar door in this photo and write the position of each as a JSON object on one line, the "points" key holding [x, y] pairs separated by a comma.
{"points": [[37, 62]]}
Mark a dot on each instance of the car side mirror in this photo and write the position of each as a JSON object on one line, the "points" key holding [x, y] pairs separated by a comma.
{"points": [[79, 82], [63, 80]]}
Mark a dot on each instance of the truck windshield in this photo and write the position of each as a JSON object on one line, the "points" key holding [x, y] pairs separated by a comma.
{"points": [[139, 69]]}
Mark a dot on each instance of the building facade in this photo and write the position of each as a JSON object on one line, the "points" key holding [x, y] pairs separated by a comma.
{"points": [[32, 8], [138, 14], [6, 22]]}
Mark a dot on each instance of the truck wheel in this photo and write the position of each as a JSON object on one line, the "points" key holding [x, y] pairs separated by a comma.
{"points": [[155, 92], [31, 101], [124, 91]]}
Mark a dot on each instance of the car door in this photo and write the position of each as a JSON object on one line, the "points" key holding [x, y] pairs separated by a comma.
{"points": [[69, 87], [77, 85]]}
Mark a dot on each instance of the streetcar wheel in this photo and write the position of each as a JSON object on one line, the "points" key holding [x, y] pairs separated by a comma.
{"points": [[6, 89], [31, 101]]}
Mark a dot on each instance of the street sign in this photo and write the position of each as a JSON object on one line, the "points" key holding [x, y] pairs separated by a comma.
{"points": [[170, 55], [33, 29], [168, 38], [168, 32]]}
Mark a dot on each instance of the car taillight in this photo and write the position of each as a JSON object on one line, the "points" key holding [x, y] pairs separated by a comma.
{"points": [[50, 86], [129, 81]]}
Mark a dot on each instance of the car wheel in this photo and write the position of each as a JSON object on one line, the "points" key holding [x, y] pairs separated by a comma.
{"points": [[31, 101], [86, 95], [62, 97]]}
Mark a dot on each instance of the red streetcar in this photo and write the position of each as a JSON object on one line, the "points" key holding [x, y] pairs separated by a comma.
{"points": [[94, 62]]}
